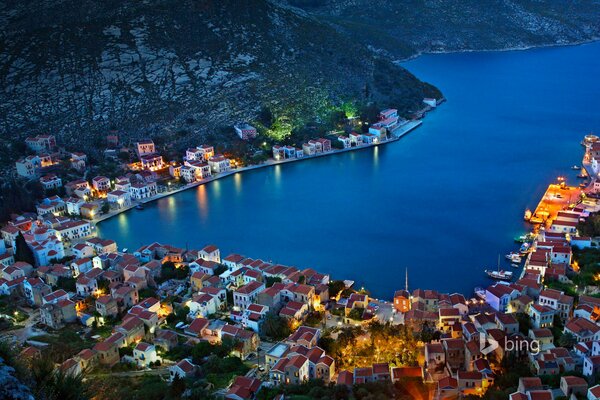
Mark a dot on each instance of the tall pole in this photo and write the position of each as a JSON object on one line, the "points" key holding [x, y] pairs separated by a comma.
{"points": [[406, 279]]}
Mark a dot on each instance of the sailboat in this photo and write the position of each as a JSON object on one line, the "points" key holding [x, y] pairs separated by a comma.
{"points": [[499, 274]]}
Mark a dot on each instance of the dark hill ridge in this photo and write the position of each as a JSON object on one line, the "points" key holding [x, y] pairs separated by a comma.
{"points": [[408, 27], [79, 68], [157, 67]]}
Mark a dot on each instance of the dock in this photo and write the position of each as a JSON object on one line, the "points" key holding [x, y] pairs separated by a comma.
{"points": [[558, 197]]}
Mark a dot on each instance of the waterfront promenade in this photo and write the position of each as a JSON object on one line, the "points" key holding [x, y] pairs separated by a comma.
{"points": [[397, 134]]}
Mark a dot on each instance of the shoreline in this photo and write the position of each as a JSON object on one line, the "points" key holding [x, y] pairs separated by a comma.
{"points": [[403, 131], [516, 48]]}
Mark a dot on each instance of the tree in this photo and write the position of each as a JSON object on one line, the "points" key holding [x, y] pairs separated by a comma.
{"points": [[524, 323], [275, 326], [66, 284], [105, 208], [201, 350], [271, 280], [567, 340], [22, 250], [177, 386], [335, 287]]}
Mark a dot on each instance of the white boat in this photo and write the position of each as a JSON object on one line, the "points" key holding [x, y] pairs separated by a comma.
{"points": [[513, 257], [576, 167], [499, 275], [480, 292], [515, 265], [525, 247]]}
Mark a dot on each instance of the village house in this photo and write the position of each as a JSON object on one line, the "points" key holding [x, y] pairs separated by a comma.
{"points": [[573, 386], [448, 318], [219, 164], [583, 330], [355, 139], [402, 301], [454, 350], [50, 181], [144, 354], [86, 286], [152, 162], [247, 294], [144, 147], [101, 185], [108, 353], [246, 341], [591, 365], [345, 141], [558, 301], [28, 167], [140, 191], [507, 323], [498, 296], [89, 210], [243, 388], [78, 161], [183, 369], [210, 253], [119, 198], [57, 314], [51, 205], [41, 143], [541, 316], [197, 328], [245, 131], [72, 230], [34, 289], [293, 370], [107, 306]]}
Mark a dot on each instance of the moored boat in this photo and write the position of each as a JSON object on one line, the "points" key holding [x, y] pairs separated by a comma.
{"points": [[480, 292], [576, 167], [499, 275], [139, 207], [513, 257], [515, 265], [525, 247]]}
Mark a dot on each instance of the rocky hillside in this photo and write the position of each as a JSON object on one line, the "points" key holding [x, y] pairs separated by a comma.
{"points": [[182, 68], [407, 27]]}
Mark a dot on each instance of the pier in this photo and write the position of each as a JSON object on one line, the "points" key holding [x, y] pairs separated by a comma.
{"points": [[558, 197]]}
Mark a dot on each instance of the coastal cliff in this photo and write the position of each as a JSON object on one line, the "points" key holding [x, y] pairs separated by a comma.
{"points": [[403, 29], [185, 70], [180, 70]]}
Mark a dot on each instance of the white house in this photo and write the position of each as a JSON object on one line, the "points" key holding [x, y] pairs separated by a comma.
{"points": [[144, 354], [120, 198], [141, 191], [219, 164], [247, 294], [50, 181], [498, 296]]}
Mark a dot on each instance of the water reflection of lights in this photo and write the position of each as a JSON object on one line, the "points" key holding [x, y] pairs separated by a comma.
{"points": [[202, 200], [277, 174], [237, 181]]}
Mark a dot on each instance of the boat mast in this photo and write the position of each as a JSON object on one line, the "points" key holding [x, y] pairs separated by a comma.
{"points": [[406, 279]]}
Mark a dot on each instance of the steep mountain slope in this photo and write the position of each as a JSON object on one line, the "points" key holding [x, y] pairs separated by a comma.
{"points": [[78, 69], [407, 27]]}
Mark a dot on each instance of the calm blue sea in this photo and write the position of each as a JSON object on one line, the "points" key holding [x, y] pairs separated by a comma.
{"points": [[443, 202]]}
